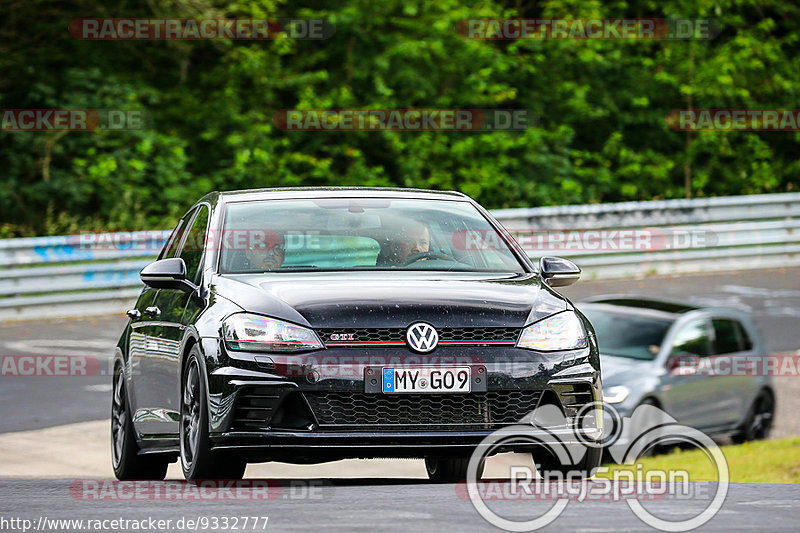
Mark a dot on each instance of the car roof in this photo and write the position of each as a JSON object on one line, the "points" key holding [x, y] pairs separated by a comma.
{"points": [[642, 306], [282, 193], [630, 311], [638, 302]]}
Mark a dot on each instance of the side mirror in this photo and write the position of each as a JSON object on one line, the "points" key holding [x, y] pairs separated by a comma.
{"points": [[167, 274], [559, 272]]}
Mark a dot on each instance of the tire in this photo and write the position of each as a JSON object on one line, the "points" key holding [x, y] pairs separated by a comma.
{"points": [[550, 467], [656, 449], [125, 458], [449, 469], [758, 423], [197, 459]]}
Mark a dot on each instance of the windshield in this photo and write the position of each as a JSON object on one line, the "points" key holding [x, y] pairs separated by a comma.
{"points": [[627, 335], [344, 234]]}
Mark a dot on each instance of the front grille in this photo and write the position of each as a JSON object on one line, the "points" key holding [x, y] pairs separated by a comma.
{"points": [[478, 334], [364, 334], [481, 410], [398, 335]]}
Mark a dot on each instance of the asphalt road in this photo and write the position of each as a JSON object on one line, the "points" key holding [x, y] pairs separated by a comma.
{"points": [[772, 296], [392, 505], [44, 401], [404, 502]]}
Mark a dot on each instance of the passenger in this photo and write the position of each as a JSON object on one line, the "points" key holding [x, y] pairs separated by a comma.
{"points": [[266, 255]]}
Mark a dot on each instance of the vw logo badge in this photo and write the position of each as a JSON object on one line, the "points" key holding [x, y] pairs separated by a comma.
{"points": [[422, 337]]}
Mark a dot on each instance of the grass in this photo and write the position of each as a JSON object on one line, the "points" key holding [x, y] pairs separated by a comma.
{"points": [[771, 461]]}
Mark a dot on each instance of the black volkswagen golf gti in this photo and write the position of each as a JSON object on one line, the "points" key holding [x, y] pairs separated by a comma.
{"points": [[309, 325]]}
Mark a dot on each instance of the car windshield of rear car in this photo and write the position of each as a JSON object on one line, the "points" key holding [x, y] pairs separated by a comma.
{"points": [[347, 234], [627, 335]]}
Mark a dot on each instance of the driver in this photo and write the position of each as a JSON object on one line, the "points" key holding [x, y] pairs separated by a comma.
{"points": [[414, 238], [268, 254]]}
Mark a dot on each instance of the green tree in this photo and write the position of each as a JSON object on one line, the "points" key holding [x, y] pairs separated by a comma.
{"points": [[599, 132]]}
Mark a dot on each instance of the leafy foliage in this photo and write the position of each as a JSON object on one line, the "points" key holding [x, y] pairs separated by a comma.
{"points": [[600, 132]]}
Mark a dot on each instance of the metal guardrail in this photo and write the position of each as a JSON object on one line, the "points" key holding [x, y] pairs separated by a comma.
{"points": [[73, 275], [735, 233], [76, 275]]}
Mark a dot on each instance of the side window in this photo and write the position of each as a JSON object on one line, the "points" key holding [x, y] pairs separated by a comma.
{"points": [[193, 246], [726, 338], [692, 339], [175, 239], [747, 344]]}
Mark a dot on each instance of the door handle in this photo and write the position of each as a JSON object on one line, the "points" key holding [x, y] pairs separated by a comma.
{"points": [[152, 311], [133, 314]]}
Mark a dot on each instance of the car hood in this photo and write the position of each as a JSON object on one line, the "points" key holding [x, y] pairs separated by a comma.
{"points": [[396, 299], [617, 370]]}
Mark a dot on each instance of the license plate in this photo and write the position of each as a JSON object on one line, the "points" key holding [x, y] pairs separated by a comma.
{"points": [[426, 379]]}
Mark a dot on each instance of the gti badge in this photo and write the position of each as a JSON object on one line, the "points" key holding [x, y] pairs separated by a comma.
{"points": [[422, 337]]}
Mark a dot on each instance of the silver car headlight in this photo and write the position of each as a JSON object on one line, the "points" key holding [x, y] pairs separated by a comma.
{"points": [[244, 331], [616, 394], [563, 331]]}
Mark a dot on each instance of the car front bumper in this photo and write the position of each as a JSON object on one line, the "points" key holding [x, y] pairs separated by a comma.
{"points": [[318, 406]]}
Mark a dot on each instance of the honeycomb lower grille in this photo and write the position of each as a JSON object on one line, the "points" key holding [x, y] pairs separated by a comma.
{"points": [[423, 411]]}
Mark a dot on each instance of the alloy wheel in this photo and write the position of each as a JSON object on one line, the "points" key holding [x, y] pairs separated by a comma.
{"points": [[118, 416], [190, 414]]}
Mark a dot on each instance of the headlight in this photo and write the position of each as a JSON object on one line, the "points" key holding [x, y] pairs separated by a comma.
{"points": [[563, 331], [258, 333], [616, 394]]}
